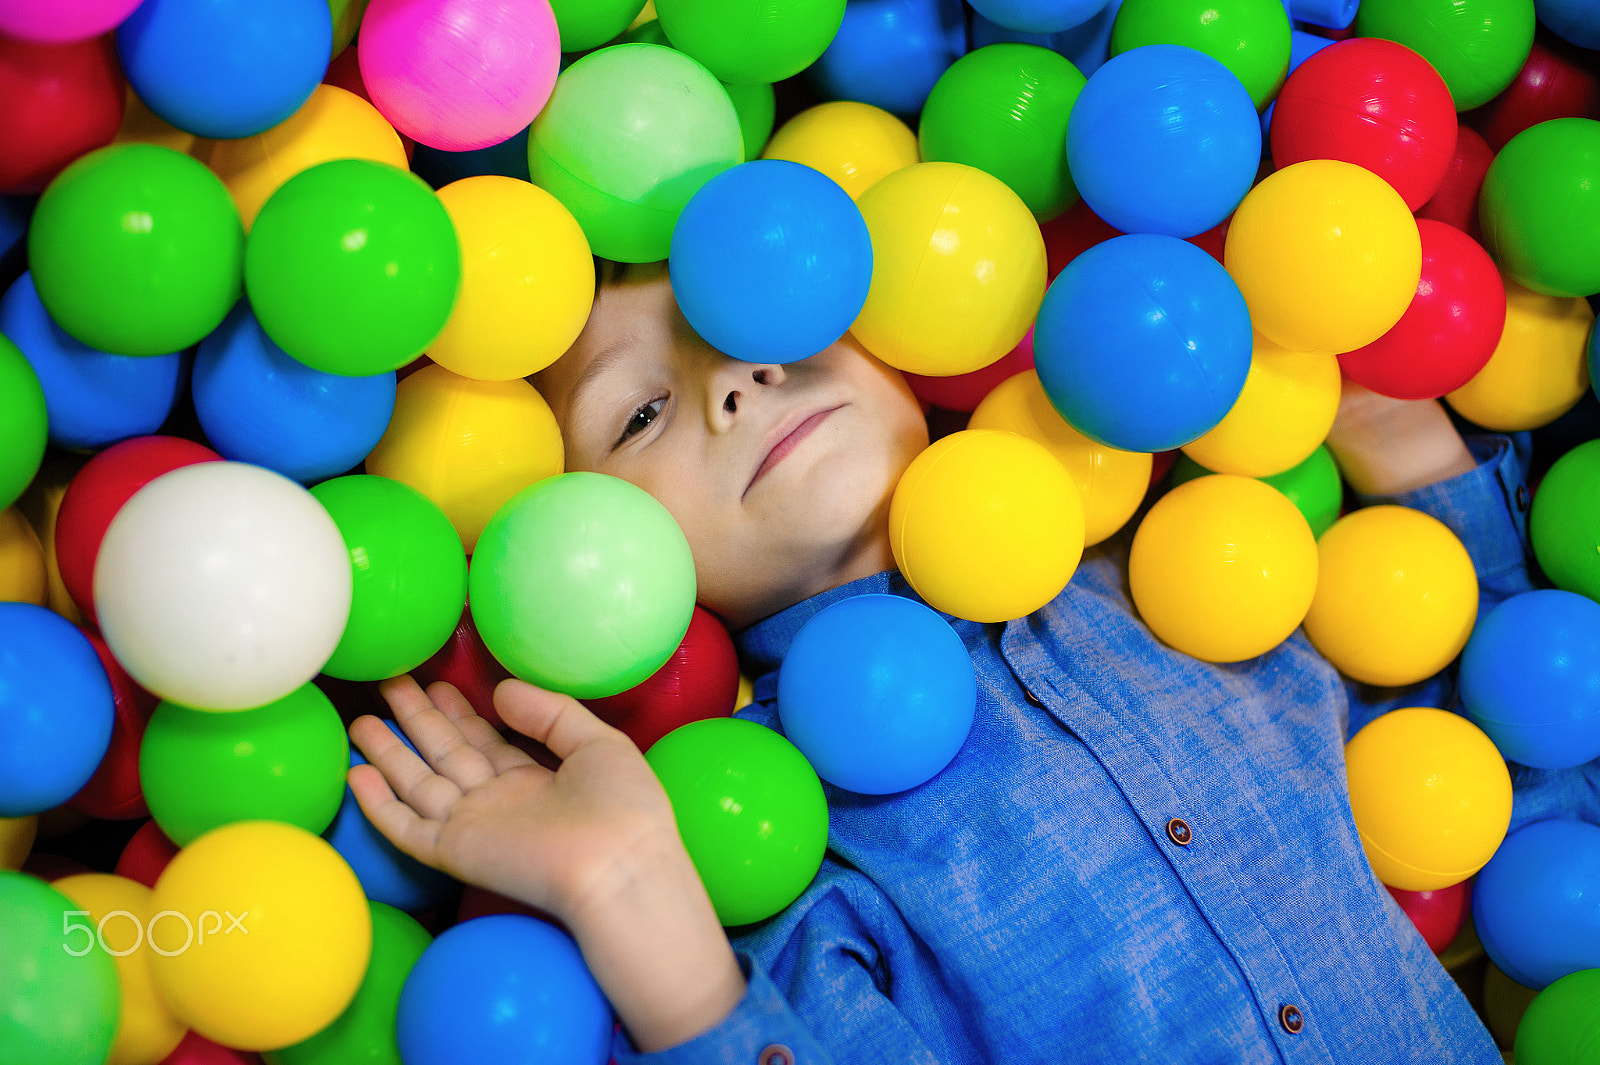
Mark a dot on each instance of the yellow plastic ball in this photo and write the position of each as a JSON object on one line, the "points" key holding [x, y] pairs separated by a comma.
{"points": [[468, 445], [286, 929], [16, 840], [1111, 483], [958, 269], [333, 124], [527, 279], [1431, 797], [119, 915], [854, 143], [1283, 413], [1538, 371], [986, 525], [140, 125], [1326, 254], [40, 504], [1223, 568], [1397, 596], [24, 578]]}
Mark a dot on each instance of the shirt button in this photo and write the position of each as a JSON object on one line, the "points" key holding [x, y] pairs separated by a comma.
{"points": [[775, 1054], [1032, 698], [1292, 1019], [1178, 831], [1522, 497]]}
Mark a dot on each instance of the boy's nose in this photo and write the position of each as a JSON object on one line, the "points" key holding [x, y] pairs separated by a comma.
{"points": [[762, 374]]}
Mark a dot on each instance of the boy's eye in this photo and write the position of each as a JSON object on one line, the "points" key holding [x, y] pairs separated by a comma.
{"points": [[640, 420]]}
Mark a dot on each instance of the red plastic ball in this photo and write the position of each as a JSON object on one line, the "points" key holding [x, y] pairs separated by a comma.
{"points": [[1439, 915], [1456, 202], [114, 793], [1555, 82], [1374, 103], [146, 855], [1451, 328], [1069, 235], [61, 100], [700, 680], [965, 391], [466, 663], [96, 494], [196, 1049]]}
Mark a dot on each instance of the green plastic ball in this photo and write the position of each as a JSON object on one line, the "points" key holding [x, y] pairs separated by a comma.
{"points": [[364, 1034], [409, 576], [1004, 110], [60, 996], [756, 105], [1562, 1025], [1314, 486], [24, 424], [582, 583], [1564, 523], [137, 249], [281, 762], [1477, 46], [1540, 207], [751, 812], [1249, 37], [631, 132], [586, 24], [352, 267], [752, 42]]}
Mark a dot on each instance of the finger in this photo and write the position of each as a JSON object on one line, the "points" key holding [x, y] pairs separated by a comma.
{"points": [[398, 822], [478, 732], [558, 721], [436, 736], [410, 778]]}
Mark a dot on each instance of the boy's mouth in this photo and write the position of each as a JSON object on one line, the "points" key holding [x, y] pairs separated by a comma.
{"points": [[785, 438]]}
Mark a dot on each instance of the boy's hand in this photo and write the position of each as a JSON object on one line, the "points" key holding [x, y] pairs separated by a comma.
{"points": [[1388, 446], [592, 842]]}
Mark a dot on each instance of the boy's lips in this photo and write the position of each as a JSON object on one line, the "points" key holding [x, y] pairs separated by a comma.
{"points": [[786, 437]]}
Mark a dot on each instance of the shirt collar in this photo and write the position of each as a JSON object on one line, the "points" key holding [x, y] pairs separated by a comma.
{"points": [[763, 645]]}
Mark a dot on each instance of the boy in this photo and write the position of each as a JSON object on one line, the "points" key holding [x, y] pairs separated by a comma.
{"points": [[1134, 853]]}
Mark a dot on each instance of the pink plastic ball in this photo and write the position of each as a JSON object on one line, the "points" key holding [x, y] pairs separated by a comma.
{"points": [[459, 75], [62, 21]]}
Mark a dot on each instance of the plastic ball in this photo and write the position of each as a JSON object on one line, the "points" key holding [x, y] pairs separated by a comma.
{"points": [[468, 445], [1282, 415], [24, 428], [1540, 207], [630, 133], [1449, 332], [1039, 16], [1562, 1023], [1315, 486], [409, 573], [466, 663], [55, 1008], [136, 250], [750, 810], [55, 711], [258, 405], [1327, 255], [333, 124], [140, 125], [1533, 904], [1555, 82], [146, 854], [751, 42], [1163, 139], [958, 269], [1396, 597], [62, 22], [986, 525], [1564, 523], [889, 53], [1004, 110], [700, 680], [218, 69], [1087, 45], [964, 392], [1440, 914], [526, 280], [459, 74], [1538, 371], [1190, 579], [113, 792], [62, 100], [1249, 37], [16, 840], [24, 575], [1530, 678], [353, 267], [770, 262], [1477, 46], [365, 1031], [1373, 103], [582, 583], [301, 947], [757, 108], [586, 24], [1143, 343], [853, 143], [878, 693], [1456, 202], [1575, 21], [1431, 797], [493, 987], [222, 586]]}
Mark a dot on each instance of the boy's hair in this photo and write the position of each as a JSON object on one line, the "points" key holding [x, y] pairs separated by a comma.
{"points": [[608, 271]]}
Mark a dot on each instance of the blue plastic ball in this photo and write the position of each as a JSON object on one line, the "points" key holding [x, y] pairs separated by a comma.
{"points": [[1574, 21], [1088, 45], [888, 53], [1530, 678], [770, 261], [93, 398], [1039, 16], [1143, 343], [387, 874], [503, 988], [226, 68], [56, 710], [878, 692], [1163, 139], [1302, 46], [1533, 905], [259, 405]]}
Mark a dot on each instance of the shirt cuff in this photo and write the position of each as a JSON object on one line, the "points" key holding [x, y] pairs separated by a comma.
{"points": [[761, 1030]]}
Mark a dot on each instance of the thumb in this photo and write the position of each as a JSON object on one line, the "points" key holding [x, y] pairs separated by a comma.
{"points": [[558, 721]]}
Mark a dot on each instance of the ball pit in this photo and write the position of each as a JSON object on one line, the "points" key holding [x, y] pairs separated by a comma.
{"points": [[61, 101]]}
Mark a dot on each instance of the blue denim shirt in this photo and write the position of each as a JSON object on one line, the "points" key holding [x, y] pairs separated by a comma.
{"points": [[1028, 904]]}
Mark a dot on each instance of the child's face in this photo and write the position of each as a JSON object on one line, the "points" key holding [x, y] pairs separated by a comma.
{"points": [[641, 397]]}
